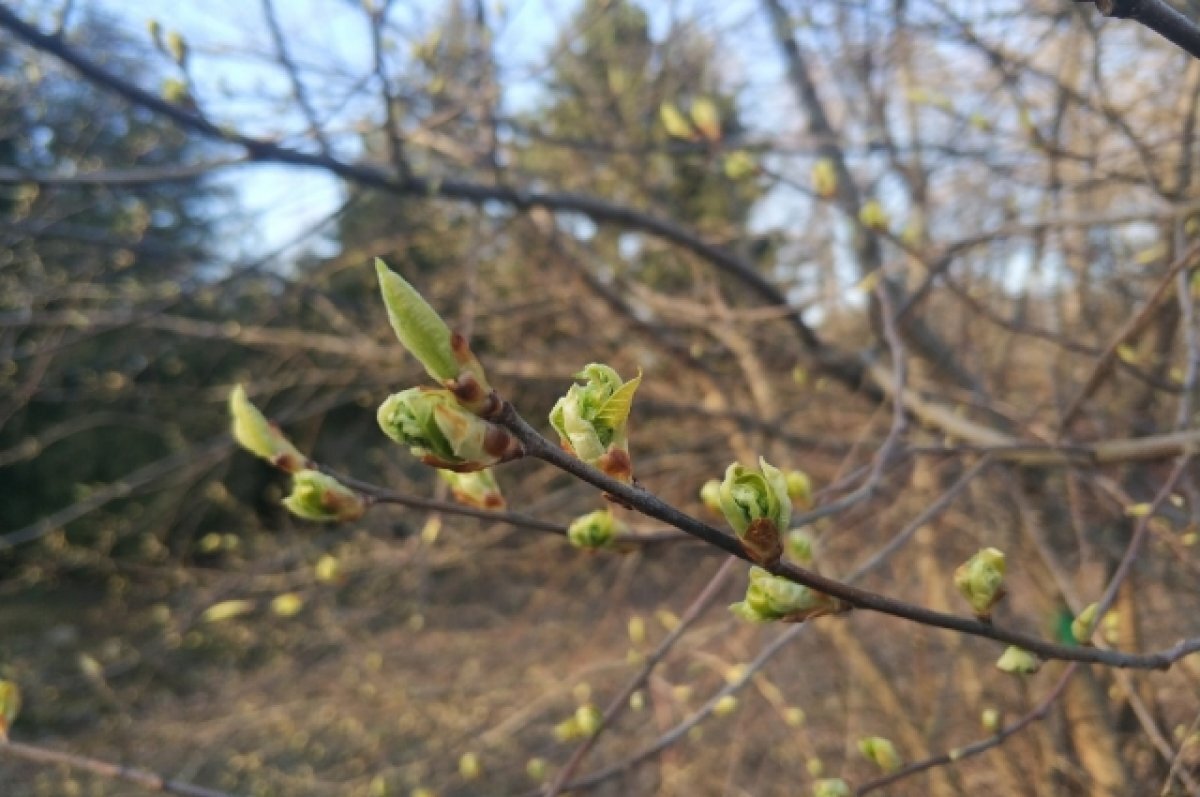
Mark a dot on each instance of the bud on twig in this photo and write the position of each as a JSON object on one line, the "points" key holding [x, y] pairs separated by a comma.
{"points": [[880, 752], [260, 437], [1083, 626], [799, 488], [710, 496], [771, 598], [446, 355], [322, 498], [591, 420], [981, 580], [831, 787], [757, 507], [594, 530], [441, 433], [477, 489], [1018, 661], [801, 547]]}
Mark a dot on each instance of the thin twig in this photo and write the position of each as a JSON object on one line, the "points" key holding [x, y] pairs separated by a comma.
{"points": [[149, 781], [618, 703]]}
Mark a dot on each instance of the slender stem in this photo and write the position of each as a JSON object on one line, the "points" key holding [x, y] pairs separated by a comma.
{"points": [[147, 780], [649, 504]]}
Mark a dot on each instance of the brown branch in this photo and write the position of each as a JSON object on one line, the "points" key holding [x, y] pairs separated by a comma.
{"points": [[1158, 16], [149, 781], [1129, 329], [649, 504]]}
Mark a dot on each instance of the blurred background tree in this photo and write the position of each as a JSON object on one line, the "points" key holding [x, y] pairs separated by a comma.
{"points": [[695, 190]]}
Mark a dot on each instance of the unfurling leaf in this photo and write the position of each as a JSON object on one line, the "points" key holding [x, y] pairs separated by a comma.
{"points": [[477, 489], [981, 580], [259, 436], [769, 598], [594, 530], [592, 420], [319, 497], [756, 505], [445, 355], [441, 433]]}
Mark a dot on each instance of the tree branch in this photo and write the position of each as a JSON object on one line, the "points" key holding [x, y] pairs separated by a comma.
{"points": [[1158, 16]]}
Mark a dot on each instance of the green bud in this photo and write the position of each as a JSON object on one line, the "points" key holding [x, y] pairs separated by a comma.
{"points": [[831, 787], [981, 580], [770, 598], [259, 436], [594, 530], [10, 707], [588, 719], [880, 752], [591, 420], [320, 497], [477, 489], [799, 488], [441, 433], [1084, 625], [801, 547], [989, 718], [725, 706], [177, 47], [1018, 661], [567, 730], [756, 505], [469, 766], [710, 495], [446, 355], [536, 769]]}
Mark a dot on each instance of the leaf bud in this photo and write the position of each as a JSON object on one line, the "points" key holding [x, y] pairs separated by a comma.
{"points": [[446, 355], [770, 598], [831, 787], [880, 752], [441, 433], [260, 437], [756, 505], [981, 580], [592, 418], [1018, 661], [477, 489], [320, 497], [594, 530]]}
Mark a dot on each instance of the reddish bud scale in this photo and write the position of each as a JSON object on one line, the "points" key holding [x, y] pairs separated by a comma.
{"points": [[617, 464], [762, 542]]}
